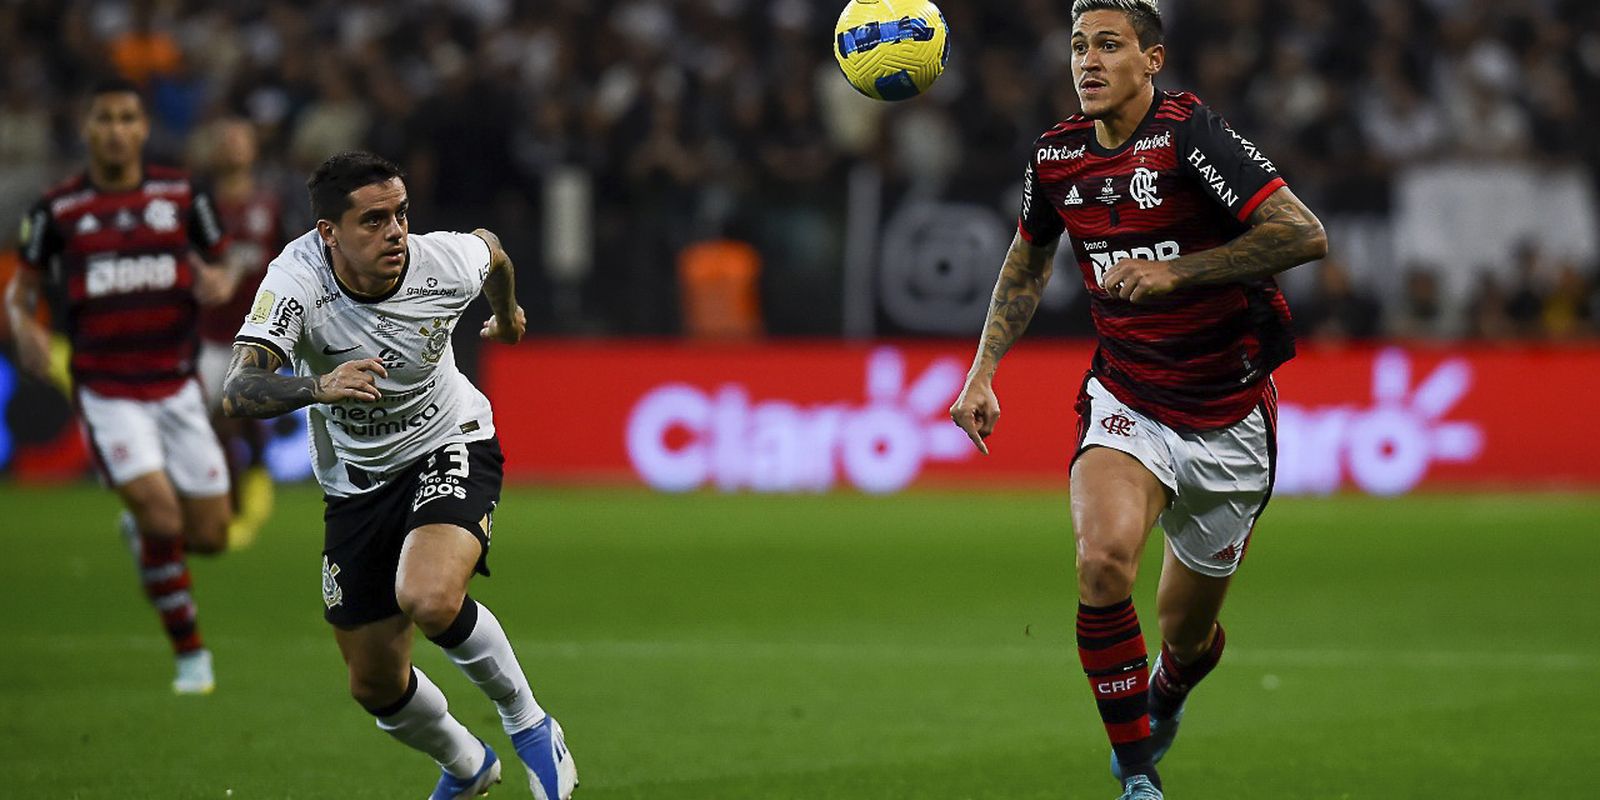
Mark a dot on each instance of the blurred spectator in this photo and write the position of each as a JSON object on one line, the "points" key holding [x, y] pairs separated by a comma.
{"points": [[1486, 313], [1524, 306], [709, 119], [1338, 310], [1566, 309], [146, 50], [1420, 311]]}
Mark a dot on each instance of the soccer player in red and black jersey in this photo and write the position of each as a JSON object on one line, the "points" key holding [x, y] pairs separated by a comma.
{"points": [[122, 242], [1178, 224], [252, 215]]}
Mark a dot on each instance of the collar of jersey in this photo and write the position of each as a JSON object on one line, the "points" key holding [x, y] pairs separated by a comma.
{"points": [[1094, 138], [327, 259]]}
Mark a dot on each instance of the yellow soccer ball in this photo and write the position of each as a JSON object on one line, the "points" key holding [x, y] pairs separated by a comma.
{"points": [[891, 49]]}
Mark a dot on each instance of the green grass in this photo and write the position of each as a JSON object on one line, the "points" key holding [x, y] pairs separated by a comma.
{"points": [[918, 646]]}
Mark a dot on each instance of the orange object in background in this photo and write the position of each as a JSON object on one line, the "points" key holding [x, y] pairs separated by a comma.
{"points": [[142, 55], [718, 282]]}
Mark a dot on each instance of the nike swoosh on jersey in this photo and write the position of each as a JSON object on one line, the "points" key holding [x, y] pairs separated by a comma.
{"points": [[328, 350]]}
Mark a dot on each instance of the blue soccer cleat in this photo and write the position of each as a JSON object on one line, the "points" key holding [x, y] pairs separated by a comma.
{"points": [[452, 788], [1162, 731], [543, 748], [1139, 787]]}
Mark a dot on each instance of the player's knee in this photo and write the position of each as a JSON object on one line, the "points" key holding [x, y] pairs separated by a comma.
{"points": [[208, 537], [1183, 634], [375, 689], [432, 608], [158, 520], [1106, 575]]}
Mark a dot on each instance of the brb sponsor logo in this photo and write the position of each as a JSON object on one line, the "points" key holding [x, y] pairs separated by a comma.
{"points": [[1104, 261], [1387, 447], [114, 275], [681, 437]]}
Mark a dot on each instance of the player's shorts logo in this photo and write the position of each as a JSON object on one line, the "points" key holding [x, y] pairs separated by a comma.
{"points": [[1229, 554], [1117, 425], [1143, 189], [332, 595]]}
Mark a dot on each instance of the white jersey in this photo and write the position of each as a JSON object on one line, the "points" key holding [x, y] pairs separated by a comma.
{"points": [[311, 321]]}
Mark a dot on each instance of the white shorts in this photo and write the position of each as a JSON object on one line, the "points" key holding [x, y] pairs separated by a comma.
{"points": [[212, 367], [1220, 480], [137, 437]]}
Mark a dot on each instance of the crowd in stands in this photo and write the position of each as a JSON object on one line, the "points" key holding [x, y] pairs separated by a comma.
{"points": [[700, 119]]}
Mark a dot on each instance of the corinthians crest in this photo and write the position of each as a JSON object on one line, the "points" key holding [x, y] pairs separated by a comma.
{"points": [[438, 340], [332, 595]]}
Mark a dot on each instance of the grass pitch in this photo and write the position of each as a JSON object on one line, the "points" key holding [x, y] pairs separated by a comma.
{"points": [[918, 646]]}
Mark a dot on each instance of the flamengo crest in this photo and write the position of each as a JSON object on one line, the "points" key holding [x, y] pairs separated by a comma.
{"points": [[1143, 189]]}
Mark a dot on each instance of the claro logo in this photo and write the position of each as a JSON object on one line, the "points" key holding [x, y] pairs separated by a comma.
{"points": [[1385, 448], [681, 437]]}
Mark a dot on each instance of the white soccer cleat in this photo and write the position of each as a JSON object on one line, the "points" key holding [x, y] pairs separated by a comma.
{"points": [[194, 674]]}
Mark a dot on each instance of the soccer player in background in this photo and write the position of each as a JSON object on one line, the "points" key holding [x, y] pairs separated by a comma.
{"points": [[119, 242], [1178, 225], [404, 447], [252, 216]]}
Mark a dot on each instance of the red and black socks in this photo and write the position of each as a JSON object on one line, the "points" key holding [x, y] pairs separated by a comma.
{"points": [[1172, 681], [164, 573], [1111, 648]]}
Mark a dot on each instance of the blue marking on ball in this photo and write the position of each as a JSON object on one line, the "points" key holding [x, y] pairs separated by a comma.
{"points": [[898, 86]]}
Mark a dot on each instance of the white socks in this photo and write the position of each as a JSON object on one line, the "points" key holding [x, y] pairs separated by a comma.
{"points": [[423, 722], [488, 661]]}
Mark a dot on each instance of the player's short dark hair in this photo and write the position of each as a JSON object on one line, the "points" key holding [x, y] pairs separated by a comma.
{"points": [[331, 184], [1144, 15], [113, 85]]}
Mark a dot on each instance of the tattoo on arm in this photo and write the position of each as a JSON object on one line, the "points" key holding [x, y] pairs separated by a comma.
{"points": [[254, 389], [1283, 233], [499, 286], [1016, 296]]}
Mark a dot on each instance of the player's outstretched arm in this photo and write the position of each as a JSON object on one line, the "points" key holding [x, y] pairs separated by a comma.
{"points": [[1016, 296], [500, 287], [1283, 233], [253, 387]]}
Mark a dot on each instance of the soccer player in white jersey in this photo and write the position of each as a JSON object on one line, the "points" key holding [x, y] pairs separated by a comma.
{"points": [[405, 449]]}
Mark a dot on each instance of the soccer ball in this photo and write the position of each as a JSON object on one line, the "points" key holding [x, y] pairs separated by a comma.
{"points": [[891, 49]]}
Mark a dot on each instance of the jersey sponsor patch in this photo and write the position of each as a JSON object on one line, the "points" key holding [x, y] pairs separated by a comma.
{"points": [[289, 311], [107, 276]]}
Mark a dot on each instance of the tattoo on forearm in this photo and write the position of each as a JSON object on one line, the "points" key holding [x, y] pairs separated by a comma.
{"points": [[1016, 296], [499, 286], [254, 389], [1283, 234]]}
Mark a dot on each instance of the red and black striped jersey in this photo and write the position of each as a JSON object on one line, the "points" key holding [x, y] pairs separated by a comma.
{"points": [[120, 261], [255, 234], [1184, 182]]}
